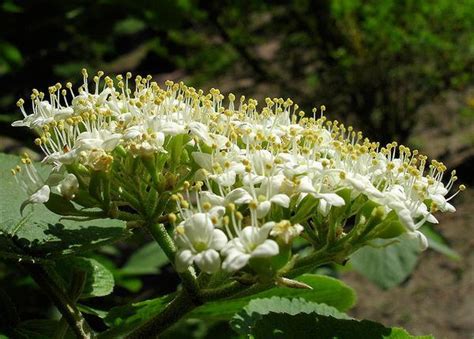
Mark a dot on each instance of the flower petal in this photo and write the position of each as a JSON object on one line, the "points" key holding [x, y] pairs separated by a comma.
{"points": [[332, 198], [239, 196], [281, 199], [208, 261], [219, 240], [203, 159], [269, 248], [41, 195], [263, 208], [184, 259], [235, 260]]}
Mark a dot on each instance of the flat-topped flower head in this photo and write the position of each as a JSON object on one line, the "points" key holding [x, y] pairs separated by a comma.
{"points": [[245, 179]]}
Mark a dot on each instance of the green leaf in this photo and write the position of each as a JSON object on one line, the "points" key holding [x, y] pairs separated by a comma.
{"points": [[437, 243], [325, 290], [61, 206], [92, 311], [123, 319], [147, 260], [129, 26], [243, 321], [131, 284], [284, 325], [99, 280], [387, 266], [41, 233], [10, 54]]}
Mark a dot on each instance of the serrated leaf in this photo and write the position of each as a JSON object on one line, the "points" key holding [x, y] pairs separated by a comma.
{"points": [[243, 321], [40, 233], [147, 260], [387, 266], [282, 325], [99, 280], [325, 290]]}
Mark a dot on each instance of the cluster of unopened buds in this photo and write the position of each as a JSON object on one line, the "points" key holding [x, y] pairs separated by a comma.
{"points": [[239, 187]]}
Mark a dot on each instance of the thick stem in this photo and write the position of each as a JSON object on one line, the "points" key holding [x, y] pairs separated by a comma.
{"points": [[159, 233], [64, 304], [175, 310], [225, 291]]}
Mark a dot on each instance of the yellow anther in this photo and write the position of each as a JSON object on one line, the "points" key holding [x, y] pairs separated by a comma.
{"points": [[253, 204], [180, 230], [172, 218]]}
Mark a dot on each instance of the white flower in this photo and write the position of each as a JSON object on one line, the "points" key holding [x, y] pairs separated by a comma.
{"points": [[260, 160], [326, 199], [102, 140], [32, 183], [201, 131], [40, 196], [62, 157], [442, 203], [252, 242], [286, 231], [158, 124], [69, 186], [421, 238], [362, 184], [199, 242], [223, 168]]}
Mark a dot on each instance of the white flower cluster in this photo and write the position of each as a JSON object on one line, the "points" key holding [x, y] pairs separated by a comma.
{"points": [[253, 171]]}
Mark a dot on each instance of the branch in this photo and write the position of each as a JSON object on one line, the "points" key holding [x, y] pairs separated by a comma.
{"points": [[161, 236], [64, 304], [75, 290], [174, 311]]}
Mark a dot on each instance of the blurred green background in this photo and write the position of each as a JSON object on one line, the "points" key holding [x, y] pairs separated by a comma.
{"points": [[374, 63], [396, 69]]}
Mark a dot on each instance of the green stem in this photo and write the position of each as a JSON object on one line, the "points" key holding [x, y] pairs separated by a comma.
{"points": [[106, 191], [64, 304], [174, 311], [77, 285], [307, 266], [159, 233], [225, 291]]}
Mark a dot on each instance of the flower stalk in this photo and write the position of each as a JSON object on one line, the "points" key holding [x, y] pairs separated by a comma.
{"points": [[161, 236]]}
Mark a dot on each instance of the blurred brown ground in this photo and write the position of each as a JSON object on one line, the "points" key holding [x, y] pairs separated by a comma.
{"points": [[438, 298]]}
